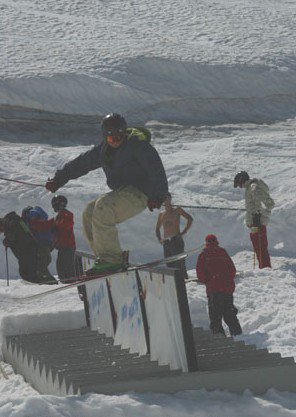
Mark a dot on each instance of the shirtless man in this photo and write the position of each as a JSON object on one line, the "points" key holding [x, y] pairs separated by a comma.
{"points": [[172, 240]]}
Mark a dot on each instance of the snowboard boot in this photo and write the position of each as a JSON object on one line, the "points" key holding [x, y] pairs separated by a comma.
{"points": [[102, 268]]}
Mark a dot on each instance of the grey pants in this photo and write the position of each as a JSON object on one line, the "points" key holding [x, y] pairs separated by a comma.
{"points": [[101, 216]]}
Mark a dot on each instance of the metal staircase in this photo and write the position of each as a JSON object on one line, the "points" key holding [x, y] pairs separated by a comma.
{"points": [[215, 352], [80, 361], [76, 361]]}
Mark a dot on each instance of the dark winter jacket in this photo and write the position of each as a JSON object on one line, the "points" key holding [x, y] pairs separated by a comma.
{"points": [[62, 227], [215, 269], [135, 162]]}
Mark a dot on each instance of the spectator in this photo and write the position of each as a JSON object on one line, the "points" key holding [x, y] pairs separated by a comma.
{"points": [[68, 267], [44, 241], [258, 206], [24, 246], [215, 269], [172, 240]]}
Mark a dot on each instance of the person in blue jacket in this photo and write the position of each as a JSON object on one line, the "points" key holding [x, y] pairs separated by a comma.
{"points": [[44, 242], [136, 176]]}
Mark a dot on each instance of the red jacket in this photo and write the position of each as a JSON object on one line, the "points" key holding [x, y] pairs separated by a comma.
{"points": [[62, 227], [215, 269]]}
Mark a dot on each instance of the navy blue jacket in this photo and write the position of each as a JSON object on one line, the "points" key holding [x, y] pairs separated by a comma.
{"points": [[136, 162], [38, 213]]}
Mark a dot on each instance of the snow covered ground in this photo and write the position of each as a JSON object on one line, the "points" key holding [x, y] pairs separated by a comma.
{"points": [[216, 84]]}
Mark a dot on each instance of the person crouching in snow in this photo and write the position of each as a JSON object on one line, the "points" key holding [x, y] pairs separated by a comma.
{"points": [[64, 239], [258, 206], [215, 269], [26, 249]]}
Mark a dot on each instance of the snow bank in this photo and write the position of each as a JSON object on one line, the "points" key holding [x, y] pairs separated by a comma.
{"points": [[159, 89]]}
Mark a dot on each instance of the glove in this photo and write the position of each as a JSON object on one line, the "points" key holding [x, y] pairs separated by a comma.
{"points": [[6, 243], [256, 219], [52, 185], [153, 204]]}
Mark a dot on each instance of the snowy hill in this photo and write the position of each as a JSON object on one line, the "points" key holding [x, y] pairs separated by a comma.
{"points": [[216, 84]]}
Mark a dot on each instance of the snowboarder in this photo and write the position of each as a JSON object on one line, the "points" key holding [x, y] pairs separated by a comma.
{"points": [[215, 269], [68, 266], [44, 241], [172, 240], [258, 205], [134, 173], [24, 246]]}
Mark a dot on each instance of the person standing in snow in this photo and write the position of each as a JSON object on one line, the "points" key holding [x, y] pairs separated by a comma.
{"points": [[44, 242], [19, 238], [215, 269], [258, 205], [134, 173], [172, 240], [63, 238]]}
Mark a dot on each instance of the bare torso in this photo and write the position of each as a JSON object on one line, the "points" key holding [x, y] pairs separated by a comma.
{"points": [[170, 221]]}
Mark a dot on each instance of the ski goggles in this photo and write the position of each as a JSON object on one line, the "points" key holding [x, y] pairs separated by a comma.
{"points": [[114, 139]]}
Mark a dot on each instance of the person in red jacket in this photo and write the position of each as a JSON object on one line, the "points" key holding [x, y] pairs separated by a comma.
{"points": [[64, 239], [215, 269]]}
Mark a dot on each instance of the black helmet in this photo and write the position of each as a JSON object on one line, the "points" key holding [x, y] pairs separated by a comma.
{"points": [[59, 202], [240, 178], [114, 125]]}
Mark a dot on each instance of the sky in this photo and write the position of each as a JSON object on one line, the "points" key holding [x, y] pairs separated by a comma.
{"points": [[215, 82]]}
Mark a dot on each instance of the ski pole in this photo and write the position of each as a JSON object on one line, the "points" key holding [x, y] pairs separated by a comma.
{"points": [[7, 268], [254, 259], [22, 182], [209, 207]]}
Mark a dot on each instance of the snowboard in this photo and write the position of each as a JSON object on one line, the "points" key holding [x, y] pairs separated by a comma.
{"points": [[81, 280]]}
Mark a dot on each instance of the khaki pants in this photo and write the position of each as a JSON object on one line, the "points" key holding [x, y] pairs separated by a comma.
{"points": [[101, 215]]}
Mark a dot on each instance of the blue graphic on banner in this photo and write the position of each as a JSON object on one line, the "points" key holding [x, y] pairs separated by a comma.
{"points": [[134, 308], [131, 310], [124, 311], [97, 298]]}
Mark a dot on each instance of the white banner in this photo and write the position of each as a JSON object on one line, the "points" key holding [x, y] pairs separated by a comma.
{"points": [[99, 307], [129, 330], [164, 321]]}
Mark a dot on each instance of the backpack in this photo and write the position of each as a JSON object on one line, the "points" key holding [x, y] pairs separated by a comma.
{"points": [[140, 132], [16, 231]]}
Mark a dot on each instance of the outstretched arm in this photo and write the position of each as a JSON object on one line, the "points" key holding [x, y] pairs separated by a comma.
{"points": [[76, 168], [42, 225]]}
